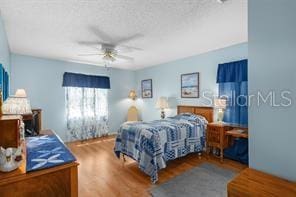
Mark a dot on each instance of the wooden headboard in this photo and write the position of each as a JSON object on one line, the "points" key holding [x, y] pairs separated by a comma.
{"points": [[206, 112]]}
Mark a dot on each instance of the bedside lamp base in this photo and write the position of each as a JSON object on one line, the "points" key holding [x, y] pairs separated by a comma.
{"points": [[220, 116], [162, 114]]}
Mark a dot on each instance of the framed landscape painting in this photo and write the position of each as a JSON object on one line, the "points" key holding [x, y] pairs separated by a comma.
{"points": [[146, 88], [190, 85]]}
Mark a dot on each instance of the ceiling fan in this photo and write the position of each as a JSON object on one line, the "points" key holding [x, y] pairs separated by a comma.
{"points": [[108, 53], [110, 49]]}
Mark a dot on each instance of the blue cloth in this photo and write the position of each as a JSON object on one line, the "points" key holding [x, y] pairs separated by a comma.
{"points": [[233, 86], [233, 71], [238, 151], [198, 119], [154, 143], [85, 81], [5, 85], [4, 82], [236, 94], [46, 151]]}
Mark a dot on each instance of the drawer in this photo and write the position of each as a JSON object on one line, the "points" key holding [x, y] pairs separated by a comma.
{"points": [[213, 135], [10, 133]]}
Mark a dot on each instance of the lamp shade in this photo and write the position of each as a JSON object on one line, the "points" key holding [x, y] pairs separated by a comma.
{"points": [[220, 103], [21, 93], [132, 95], [162, 103], [16, 106]]}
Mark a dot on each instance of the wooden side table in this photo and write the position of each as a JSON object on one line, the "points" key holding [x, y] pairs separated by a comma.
{"points": [[216, 137]]}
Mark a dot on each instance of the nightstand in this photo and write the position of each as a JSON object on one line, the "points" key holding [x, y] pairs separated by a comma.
{"points": [[216, 137]]}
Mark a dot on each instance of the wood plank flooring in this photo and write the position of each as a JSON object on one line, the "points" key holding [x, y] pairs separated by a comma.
{"points": [[101, 173]]}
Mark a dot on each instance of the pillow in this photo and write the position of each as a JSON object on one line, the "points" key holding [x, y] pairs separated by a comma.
{"points": [[192, 117]]}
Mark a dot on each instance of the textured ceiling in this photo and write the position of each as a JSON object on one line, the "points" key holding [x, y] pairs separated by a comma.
{"points": [[169, 29]]}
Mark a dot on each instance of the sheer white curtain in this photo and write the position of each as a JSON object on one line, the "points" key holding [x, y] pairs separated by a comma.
{"points": [[87, 112]]}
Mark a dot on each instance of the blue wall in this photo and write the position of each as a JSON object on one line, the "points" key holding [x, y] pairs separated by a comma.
{"points": [[166, 78], [42, 79], [272, 67]]}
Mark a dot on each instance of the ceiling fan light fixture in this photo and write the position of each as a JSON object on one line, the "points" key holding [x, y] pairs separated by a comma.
{"points": [[108, 58]]}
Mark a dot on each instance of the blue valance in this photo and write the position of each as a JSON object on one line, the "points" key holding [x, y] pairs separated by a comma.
{"points": [[233, 72], [85, 81]]}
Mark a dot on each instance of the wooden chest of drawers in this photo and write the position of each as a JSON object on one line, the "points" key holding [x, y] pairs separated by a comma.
{"points": [[10, 130]]}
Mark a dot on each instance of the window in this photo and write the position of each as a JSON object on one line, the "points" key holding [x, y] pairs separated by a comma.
{"points": [[87, 112]]}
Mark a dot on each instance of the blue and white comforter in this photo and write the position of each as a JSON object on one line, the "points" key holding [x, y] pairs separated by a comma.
{"points": [[153, 143]]}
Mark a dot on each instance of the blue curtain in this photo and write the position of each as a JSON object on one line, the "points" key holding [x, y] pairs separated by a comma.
{"points": [[4, 82], [1, 77], [232, 78], [5, 85], [85, 81]]}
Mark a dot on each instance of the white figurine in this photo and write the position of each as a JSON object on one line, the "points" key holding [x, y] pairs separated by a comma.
{"points": [[10, 159]]}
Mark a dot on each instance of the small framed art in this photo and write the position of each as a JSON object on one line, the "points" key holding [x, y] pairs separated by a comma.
{"points": [[190, 85], [146, 88]]}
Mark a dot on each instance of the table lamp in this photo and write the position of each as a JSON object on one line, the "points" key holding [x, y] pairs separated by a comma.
{"points": [[132, 95], [220, 104], [162, 103], [17, 104]]}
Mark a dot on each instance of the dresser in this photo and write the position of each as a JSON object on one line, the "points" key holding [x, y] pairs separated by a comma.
{"points": [[61, 180]]}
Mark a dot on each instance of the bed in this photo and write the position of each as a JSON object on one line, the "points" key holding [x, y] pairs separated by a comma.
{"points": [[154, 143]]}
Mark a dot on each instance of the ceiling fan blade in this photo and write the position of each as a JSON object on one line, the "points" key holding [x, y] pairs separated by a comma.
{"points": [[126, 49], [91, 54], [98, 45], [128, 39], [88, 43], [102, 35], [119, 49], [92, 43], [124, 57]]}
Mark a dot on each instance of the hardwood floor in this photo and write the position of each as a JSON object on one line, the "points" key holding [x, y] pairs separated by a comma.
{"points": [[101, 173]]}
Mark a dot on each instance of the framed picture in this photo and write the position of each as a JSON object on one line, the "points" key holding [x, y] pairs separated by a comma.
{"points": [[190, 85], [146, 88]]}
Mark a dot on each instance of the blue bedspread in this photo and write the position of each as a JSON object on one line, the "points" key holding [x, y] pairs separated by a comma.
{"points": [[153, 143], [46, 151]]}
